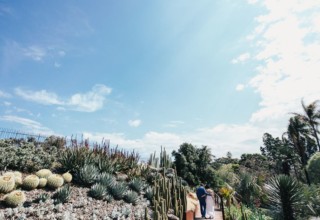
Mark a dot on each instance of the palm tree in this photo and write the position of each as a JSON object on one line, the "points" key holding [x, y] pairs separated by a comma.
{"points": [[311, 116], [297, 134], [285, 195]]}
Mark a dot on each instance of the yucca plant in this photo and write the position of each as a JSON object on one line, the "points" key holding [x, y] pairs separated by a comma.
{"points": [[98, 191], [131, 197], [136, 184], [62, 195], [87, 175], [118, 190], [106, 179], [285, 196]]}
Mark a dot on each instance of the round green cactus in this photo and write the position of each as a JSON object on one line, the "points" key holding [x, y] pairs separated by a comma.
{"points": [[43, 173], [15, 198], [30, 182], [67, 177], [9, 174], [18, 181], [17, 174], [55, 181], [42, 182], [7, 184]]}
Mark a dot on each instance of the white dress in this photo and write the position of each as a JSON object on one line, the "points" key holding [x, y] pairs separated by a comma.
{"points": [[209, 207]]}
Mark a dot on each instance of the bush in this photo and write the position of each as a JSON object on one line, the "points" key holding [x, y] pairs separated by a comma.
{"points": [[313, 168]]}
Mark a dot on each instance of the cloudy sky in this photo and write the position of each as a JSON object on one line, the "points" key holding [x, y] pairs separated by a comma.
{"points": [[146, 74]]}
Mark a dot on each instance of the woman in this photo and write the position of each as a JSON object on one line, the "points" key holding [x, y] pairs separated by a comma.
{"points": [[210, 204]]}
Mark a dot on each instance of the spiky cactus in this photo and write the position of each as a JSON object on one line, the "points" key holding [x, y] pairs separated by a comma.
{"points": [[106, 179], [55, 181], [67, 177], [42, 182], [62, 195], [136, 184], [17, 174], [17, 181], [30, 182], [87, 175], [7, 184], [44, 173], [15, 198]]}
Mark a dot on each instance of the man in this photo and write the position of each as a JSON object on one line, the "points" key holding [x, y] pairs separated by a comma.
{"points": [[202, 194]]}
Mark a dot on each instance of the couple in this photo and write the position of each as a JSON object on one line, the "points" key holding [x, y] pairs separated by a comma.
{"points": [[206, 201]]}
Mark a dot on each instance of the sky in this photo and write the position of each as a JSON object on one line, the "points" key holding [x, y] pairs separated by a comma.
{"points": [[146, 74]]}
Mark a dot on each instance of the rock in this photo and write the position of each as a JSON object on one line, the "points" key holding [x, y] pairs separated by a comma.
{"points": [[172, 217]]}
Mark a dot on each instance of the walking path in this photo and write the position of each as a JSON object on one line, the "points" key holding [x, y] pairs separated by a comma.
{"points": [[217, 214]]}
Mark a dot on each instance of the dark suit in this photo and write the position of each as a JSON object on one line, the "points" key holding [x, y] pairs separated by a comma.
{"points": [[202, 194]]}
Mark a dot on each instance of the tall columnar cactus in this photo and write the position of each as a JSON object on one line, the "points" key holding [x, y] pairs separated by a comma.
{"points": [[55, 181], [7, 184], [44, 173], [15, 198], [30, 182], [67, 177]]}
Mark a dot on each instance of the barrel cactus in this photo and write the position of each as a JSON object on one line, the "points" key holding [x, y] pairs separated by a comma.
{"points": [[15, 198], [7, 184], [17, 174], [30, 182], [42, 182], [9, 174], [18, 181], [55, 181], [43, 173], [67, 177]]}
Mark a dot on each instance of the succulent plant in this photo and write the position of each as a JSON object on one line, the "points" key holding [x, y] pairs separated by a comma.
{"points": [[44, 173], [17, 174], [98, 191], [42, 197], [30, 182], [131, 197], [62, 195], [9, 174], [15, 198], [136, 184], [42, 182], [67, 177], [106, 179], [7, 184], [87, 175], [118, 190], [55, 181], [149, 193], [17, 181]]}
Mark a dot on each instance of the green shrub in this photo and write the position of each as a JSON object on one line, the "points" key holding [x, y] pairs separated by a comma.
{"points": [[98, 191], [131, 197], [118, 190], [62, 195], [15, 198], [313, 168]]}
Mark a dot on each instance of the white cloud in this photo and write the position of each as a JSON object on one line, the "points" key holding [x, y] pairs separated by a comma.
{"points": [[29, 125], [7, 103], [86, 102], [57, 65], [241, 58], [174, 124], [42, 96], [134, 123], [4, 94], [240, 87], [36, 53]]}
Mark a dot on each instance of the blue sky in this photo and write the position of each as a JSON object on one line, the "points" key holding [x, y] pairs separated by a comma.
{"points": [[150, 73]]}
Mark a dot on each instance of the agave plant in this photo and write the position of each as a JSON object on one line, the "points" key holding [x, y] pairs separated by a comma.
{"points": [[98, 191], [106, 179], [131, 197], [42, 198], [105, 164], [62, 195], [136, 184], [149, 193], [87, 175], [118, 190], [285, 197]]}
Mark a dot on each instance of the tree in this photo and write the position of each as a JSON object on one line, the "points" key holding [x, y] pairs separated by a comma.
{"points": [[313, 168], [311, 116], [297, 134], [285, 196]]}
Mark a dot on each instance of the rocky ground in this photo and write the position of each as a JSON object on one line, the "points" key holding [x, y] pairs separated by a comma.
{"points": [[79, 206]]}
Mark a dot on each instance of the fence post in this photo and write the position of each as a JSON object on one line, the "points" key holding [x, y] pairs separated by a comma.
{"points": [[222, 207]]}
